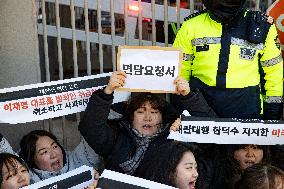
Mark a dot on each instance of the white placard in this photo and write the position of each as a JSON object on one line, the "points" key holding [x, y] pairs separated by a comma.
{"points": [[79, 178], [229, 131], [149, 68], [51, 99], [122, 179]]}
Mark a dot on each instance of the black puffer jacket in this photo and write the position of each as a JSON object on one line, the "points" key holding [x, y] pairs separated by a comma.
{"points": [[115, 140]]}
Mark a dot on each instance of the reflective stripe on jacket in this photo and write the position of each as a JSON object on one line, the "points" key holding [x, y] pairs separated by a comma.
{"points": [[229, 59]]}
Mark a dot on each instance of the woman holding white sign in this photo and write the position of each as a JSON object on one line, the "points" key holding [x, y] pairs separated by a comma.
{"points": [[144, 126]]}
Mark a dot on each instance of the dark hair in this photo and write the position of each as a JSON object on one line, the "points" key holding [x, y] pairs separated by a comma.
{"points": [[231, 166], [260, 176], [161, 165], [28, 146], [235, 147], [9, 159], [136, 101]]}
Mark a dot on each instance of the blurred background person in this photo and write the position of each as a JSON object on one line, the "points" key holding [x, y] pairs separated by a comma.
{"points": [[225, 170], [261, 176]]}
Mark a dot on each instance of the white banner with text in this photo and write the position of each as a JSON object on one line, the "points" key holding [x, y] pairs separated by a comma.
{"points": [[51, 99], [114, 180], [80, 178], [229, 131]]}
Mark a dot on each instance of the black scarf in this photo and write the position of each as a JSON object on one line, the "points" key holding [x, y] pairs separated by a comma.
{"points": [[142, 143], [227, 12]]}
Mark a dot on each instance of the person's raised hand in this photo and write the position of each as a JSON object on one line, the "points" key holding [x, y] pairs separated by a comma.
{"points": [[96, 179], [117, 79], [175, 126], [182, 86]]}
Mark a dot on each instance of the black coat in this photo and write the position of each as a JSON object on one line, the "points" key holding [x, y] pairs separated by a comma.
{"points": [[114, 140]]}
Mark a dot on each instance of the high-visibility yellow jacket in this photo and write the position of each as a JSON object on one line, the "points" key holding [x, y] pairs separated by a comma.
{"points": [[232, 66]]}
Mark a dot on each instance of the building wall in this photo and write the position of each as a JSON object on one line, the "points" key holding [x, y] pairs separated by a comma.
{"points": [[19, 58]]}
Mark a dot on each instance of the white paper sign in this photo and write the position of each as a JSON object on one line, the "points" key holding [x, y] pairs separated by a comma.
{"points": [[79, 178], [149, 68], [51, 99], [229, 131], [114, 180]]}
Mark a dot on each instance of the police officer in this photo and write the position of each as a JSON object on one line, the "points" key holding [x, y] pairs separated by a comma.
{"points": [[232, 56]]}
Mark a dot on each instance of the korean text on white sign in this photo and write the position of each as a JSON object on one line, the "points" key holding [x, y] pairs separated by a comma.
{"points": [[229, 131], [149, 68]]}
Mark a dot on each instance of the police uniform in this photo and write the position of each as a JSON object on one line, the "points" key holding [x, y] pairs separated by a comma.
{"points": [[233, 66]]}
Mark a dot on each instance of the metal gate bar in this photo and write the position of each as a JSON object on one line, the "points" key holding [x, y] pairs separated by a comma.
{"points": [[156, 12], [87, 31], [99, 17], [153, 23], [113, 53]]}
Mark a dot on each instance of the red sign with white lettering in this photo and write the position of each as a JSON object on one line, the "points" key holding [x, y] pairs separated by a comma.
{"points": [[276, 11]]}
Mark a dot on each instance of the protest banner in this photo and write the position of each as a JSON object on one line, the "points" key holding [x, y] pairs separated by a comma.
{"points": [[113, 180], [50, 99], [80, 178], [149, 68], [276, 11], [229, 131]]}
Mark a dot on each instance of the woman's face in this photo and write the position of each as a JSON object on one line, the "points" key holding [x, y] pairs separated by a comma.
{"points": [[17, 177], [48, 155], [147, 120], [248, 156], [186, 172]]}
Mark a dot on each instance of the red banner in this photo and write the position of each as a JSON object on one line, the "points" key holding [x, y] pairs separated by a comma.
{"points": [[276, 11]]}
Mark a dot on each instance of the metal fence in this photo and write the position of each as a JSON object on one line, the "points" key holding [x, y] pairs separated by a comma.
{"points": [[80, 37]]}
